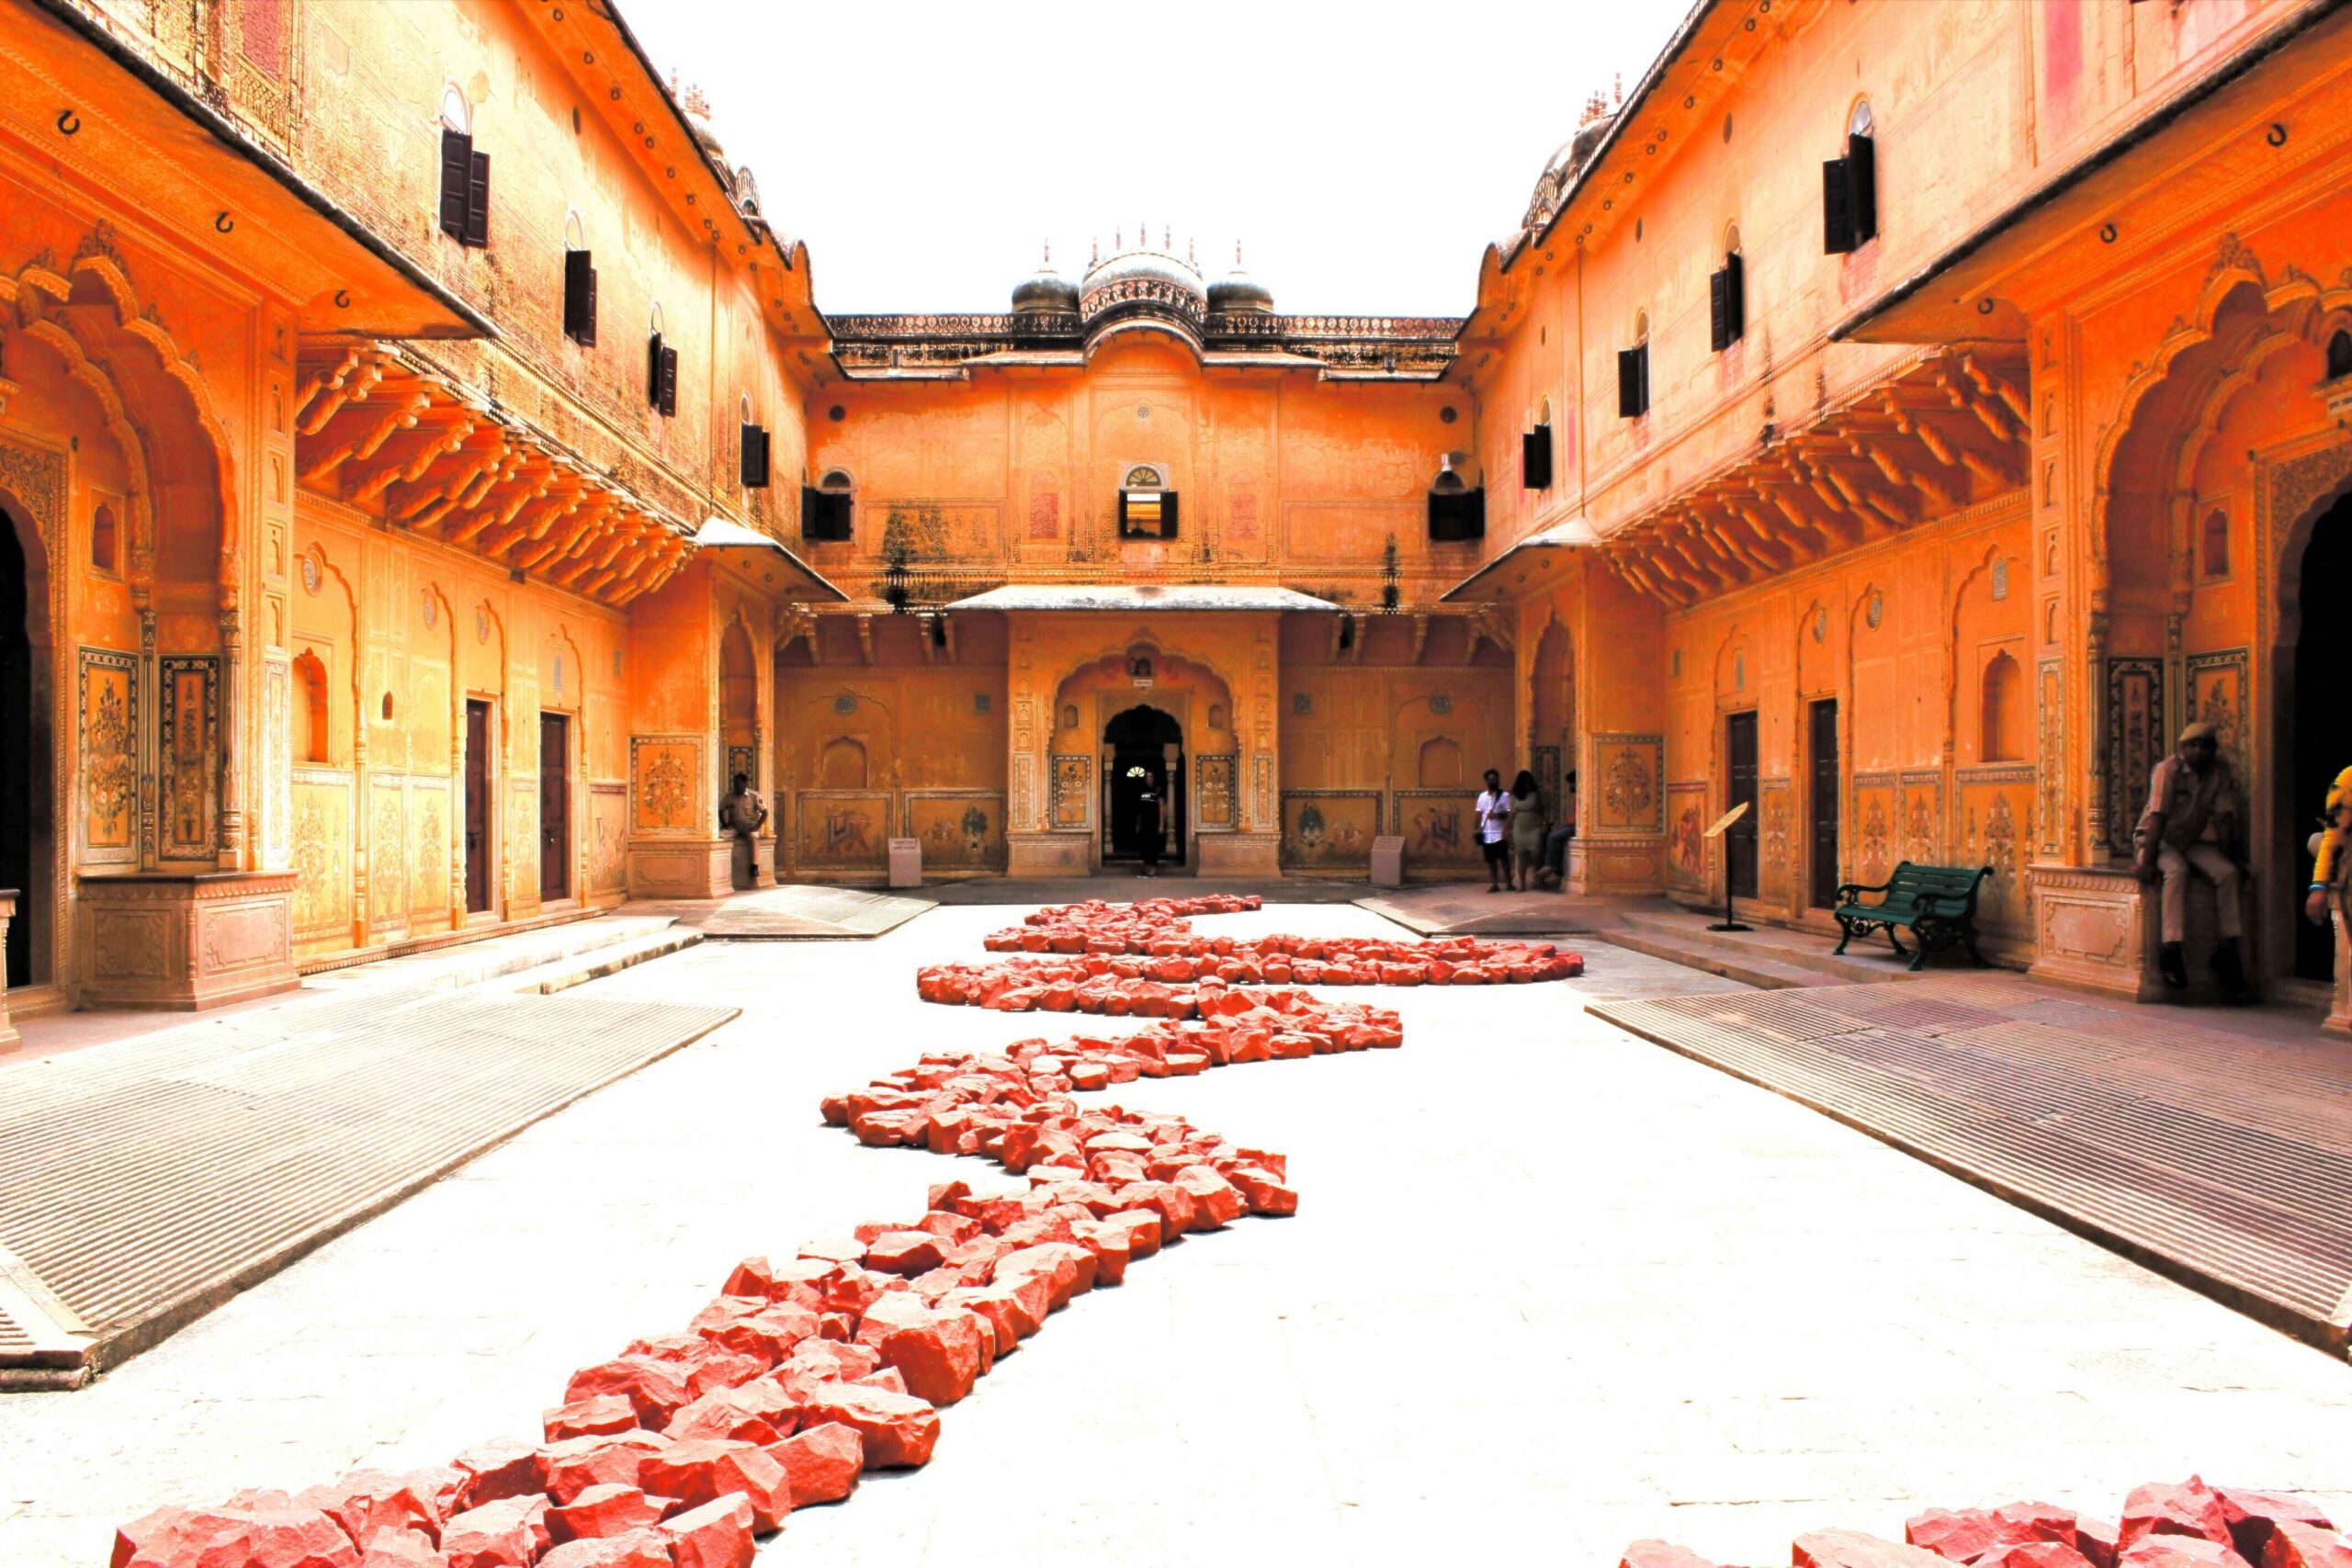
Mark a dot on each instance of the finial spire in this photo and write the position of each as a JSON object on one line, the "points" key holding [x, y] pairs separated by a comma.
{"points": [[1237, 255], [1093, 251], [1047, 265]]}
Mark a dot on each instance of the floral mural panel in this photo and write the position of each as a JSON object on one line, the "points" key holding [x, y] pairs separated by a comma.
{"points": [[1626, 793], [1922, 836], [1776, 839], [2218, 696], [1330, 830], [1876, 840], [666, 780], [2135, 739], [321, 857], [109, 756], [1996, 830], [1216, 791], [1073, 789], [188, 740], [607, 838]]}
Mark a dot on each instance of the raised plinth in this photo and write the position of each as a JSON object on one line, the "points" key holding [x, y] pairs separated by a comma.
{"points": [[1239, 854], [1048, 854], [185, 942], [682, 868]]}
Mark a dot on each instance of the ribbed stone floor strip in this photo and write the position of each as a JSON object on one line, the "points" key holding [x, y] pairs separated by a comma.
{"points": [[140, 1181], [2221, 1162]]}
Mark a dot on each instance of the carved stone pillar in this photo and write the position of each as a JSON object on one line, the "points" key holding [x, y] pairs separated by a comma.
{"points": [[8, 1037], [231, 836], [2095, 801]]}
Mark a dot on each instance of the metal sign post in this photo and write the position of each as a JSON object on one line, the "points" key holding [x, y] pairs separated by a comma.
{"points": [[1722, 824]]}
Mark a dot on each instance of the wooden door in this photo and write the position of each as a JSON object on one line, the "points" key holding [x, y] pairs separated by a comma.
{"points": [[478, 806], [1828, 802], [1739, 842], [554, 807]]}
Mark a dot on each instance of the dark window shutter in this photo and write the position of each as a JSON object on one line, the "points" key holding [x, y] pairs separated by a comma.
{"points": [[1719, 334], [1535, 459], [1122, 514], [669, 381], [835, 516], [456, 168], [1168, 515], [1736, 296], [580, 297], [1457, 516], [809, 512], [653, 371], [1837, 208], [1629, 382], [755, 457], [1861, 162], [478, 200], [1642, 366]]}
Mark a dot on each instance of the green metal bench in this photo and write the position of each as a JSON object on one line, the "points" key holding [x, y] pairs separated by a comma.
{"points": [[1937, 902]]}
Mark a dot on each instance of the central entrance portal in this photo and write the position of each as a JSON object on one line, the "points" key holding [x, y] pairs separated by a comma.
{"points": [[1143, 747]]}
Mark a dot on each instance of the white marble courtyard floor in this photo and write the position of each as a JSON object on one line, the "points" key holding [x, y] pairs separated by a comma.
{"points": [[1551, 1288]]}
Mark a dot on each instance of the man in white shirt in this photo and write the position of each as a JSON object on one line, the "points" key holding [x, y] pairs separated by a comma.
{"points": [[1494, 830]]}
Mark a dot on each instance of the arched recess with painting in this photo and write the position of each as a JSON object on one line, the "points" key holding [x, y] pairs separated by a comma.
{"points": [[2223, 525], [1551, 726], [115, 658]]}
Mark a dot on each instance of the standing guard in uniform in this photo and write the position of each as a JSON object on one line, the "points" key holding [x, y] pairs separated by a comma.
{"points": [[2332, 865], [743, 814], [2195, 822]]}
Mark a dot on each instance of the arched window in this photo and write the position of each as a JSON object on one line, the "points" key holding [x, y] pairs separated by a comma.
{"points": [[825, 507], [1147, 506], [1634, 371], [1727, 294], [2214, 548], [311, 710], [2001, 736], [105, 547], [753, 452], [1849, 185], [456, 114], [661, 367], [2339, 355], [579, 283], [464, 173]]}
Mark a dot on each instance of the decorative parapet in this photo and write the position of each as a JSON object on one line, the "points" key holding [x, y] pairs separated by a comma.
{"points": [[1366, 347]]}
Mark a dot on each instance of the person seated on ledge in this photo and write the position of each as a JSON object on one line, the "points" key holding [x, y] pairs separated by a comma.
{"points": [[2196, 821], [2333, 852]]}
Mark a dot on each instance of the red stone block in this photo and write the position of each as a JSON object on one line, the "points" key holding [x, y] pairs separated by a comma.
{"points": [[906, 1252], [2295, 1543], [2095, 1538], [821, 1465], [716, 1535], [367, 1501], [770, 1334], [653, 1388], [2033, 1554], [607, 1511], [637, 1549], [1069, 1267], [578, 1463], [2251, 1515], [1216, 1201], [1265, 1193], [183, 1537], [1852, 1549], [762, 1412], [938, 1353], [899, 1430], [597, 1414], [509, 1533], [2165, 1549], [2191, 1509], [401, 1549], [724, 1310], [495, 1470], [729, 1368], [1661, 1555], [706, 1469]]}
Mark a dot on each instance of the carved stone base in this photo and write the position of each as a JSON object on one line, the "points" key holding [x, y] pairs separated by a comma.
{"points": [[8, 1037], [185, 942], [1239, 854], [1048, 854], [1616, 866], [2090, 931], [753, 864], [680, 868]]}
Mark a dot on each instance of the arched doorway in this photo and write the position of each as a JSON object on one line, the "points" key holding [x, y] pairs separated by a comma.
{"points": [[2318, 733], [1143, 746], [1552, 742], [24, 746]]}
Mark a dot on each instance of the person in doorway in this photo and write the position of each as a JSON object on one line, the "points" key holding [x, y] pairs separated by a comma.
{"points": [[1526, 830], [742, 815], [1554, 875], [1494, 831], [1147, 830], [2331, 852], [2195, 821]]}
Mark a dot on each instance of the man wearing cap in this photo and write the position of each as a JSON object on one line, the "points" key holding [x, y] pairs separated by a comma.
{"points": [[2195, 820]]}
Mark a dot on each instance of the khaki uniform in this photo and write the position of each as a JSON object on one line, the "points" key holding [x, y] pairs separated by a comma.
{"points": [[2334, 854], [2203, 827], [744, 813]]}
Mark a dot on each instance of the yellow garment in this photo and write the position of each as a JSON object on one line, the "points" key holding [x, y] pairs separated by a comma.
{"points": [[2332, 842]]}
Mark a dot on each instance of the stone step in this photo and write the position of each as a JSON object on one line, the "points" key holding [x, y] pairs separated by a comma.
{"points": [[494, 957], [1774, 944], [1747, 968], [609, 959]]}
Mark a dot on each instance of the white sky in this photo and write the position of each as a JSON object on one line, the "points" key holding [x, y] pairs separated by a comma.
{"points": [[1364, 153]]}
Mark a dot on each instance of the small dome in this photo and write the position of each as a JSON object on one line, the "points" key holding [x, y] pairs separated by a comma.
{"points": [[1143, 281], [1237, 291], [1045, 291]]}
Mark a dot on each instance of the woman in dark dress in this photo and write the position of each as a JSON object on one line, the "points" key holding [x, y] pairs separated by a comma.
{"points": [[1148, 823]]}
